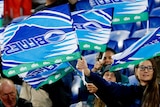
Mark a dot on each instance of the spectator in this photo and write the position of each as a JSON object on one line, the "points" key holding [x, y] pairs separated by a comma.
{"points": [[144, 95], [104, 60], [103, 63], [9, 97], [108, 76], [39, 98]]}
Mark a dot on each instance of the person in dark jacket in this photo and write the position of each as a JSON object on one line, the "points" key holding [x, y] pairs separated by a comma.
{"points": [[9, 96], [104, 61], [108, 76], [102, 64], [146, 94]]}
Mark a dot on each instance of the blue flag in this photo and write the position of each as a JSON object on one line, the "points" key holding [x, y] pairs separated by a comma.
{"points": [[93, 28], [45, 38], [47, 75], [145, 48], [126, 11], [102, 2]]}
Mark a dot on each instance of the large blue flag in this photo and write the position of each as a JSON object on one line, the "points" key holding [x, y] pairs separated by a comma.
{"points": [[45, 38], [126, 11], [145, 48], [93, 28]]}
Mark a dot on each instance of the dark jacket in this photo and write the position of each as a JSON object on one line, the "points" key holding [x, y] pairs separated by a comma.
{"points": [[20, 103], [117, 95]]}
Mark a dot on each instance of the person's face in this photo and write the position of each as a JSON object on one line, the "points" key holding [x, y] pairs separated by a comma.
{"points": [[108, 58], [109, 76], [8, 96], [144, 72]]}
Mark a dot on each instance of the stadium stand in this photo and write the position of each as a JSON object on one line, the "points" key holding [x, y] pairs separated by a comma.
{"points": [[155, 12], [142, 32], [154, 18], [153, 4], [119, 36]]}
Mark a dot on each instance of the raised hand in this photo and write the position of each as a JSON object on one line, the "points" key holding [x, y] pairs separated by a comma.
{"points": [[82, 66], [91, 88]]}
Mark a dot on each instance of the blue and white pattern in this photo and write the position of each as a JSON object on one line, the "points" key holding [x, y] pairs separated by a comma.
{"points": [[93, 26], [46, 34], [1, 35], [125, 7], [102, 2], [145, 48], [36, 77], [127, 11]]}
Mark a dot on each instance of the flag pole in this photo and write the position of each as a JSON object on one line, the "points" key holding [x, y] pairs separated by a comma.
{"points": [[147, 30], [85, 82]]}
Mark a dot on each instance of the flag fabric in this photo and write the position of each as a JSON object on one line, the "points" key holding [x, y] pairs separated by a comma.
{"points": [[93, 28], [145, 48], [45, 38], [1, 35], [102, 2], [47, 75], [127, 11]]}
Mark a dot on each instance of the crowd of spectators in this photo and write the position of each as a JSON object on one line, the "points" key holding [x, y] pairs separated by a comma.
{"points": [[142, 89]]}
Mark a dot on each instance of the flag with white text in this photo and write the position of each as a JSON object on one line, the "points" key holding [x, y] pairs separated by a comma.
{"points": [[126, 11], [47, 75], [45, 38]]}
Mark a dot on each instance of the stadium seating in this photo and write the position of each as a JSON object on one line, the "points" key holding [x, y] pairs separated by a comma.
{"points": [[155, 12], [142, 32], [128, 42], [119, 36], [154, 18], [132, 27], [154, 22], [153, 4], [127, 26], [114, 45]]}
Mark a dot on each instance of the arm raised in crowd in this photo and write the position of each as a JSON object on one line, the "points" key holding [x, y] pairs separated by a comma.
{"points": [[112, 90]]}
